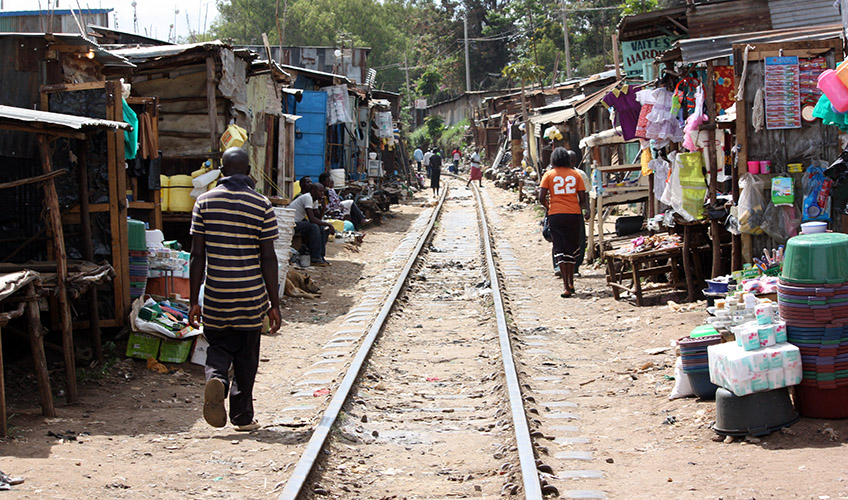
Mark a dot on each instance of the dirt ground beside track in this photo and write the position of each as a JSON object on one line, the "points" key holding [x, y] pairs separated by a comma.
{"points": [[140, 434]]}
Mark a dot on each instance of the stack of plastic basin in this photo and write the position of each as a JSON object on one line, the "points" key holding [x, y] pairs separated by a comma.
{"points": [[693, 353], [813, 301]]}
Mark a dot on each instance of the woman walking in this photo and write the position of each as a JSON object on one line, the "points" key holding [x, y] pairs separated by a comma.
{"points": [[563, 194], [435, 171], [476, 171]]}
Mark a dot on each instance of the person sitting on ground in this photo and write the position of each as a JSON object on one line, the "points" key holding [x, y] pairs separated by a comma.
{"points": [[567, 198], [304, 184], [309, 224], [338, 209]]}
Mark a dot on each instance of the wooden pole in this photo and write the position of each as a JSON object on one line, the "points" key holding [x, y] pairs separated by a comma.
{"points": [[211, 104], [615, 60], [741, 156], [88, 249], [36, 342], [54, 217], [713, 164], [3, 426]]}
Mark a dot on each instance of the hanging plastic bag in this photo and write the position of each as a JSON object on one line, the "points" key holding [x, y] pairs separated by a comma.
{"points": [[673, 194], [693, 185], [781, 222], [660, 168], [751, 204], [816, 195]]}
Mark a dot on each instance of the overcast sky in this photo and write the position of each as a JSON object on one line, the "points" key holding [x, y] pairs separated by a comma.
{"points": [[154, 16]]}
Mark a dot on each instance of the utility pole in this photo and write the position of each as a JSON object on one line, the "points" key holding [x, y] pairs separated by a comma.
{"points": [[567, 44], [467, 64]]}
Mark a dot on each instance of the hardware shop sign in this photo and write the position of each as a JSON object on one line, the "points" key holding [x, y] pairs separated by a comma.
{"points": [[637, 53]]}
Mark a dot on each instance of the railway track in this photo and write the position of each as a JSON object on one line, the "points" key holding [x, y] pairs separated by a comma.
{"points": [[430, 405]]}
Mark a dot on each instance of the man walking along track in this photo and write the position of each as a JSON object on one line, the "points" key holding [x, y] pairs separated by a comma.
{"points": [[233, 231]]}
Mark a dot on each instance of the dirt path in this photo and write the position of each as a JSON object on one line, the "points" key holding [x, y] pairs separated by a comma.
{"points": [[601, 402], [621, 424]]}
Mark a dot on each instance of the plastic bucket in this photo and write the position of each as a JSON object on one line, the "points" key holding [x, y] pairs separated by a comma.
{"points": [[822, 403], [137, 237], [180, 199], [816, 259], [338, 176], [753, 167], [756, 414], [834, 89]]}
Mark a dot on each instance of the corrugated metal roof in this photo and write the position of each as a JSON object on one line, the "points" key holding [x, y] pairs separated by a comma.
{"points": [[101, 55], [314, 73], [593, 99], [11, 113], [145, 53], [564, 103], [791, 14], [652, 24], [697, 50], [66, 12], [560, 116]]}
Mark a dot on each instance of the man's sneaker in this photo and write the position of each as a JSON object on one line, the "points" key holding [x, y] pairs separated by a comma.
{"points": [[248, 427], [213, 403]]}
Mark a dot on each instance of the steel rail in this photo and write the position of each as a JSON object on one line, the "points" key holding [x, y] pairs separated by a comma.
{"points": [[322, 431], [526, 458]]}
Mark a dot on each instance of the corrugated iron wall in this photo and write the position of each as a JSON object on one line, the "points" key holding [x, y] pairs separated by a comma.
{"points": [[794, 14], [724, 18], [60, 24]]}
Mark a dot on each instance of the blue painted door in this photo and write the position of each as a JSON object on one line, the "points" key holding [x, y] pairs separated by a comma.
{"points": [[310, 133]]}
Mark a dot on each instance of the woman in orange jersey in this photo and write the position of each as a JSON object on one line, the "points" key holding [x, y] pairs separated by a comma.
{"points": [[563, 194]]}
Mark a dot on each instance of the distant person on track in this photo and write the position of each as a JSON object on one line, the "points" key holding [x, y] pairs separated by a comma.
{"points": [[563, 194], [457, 157], [418, 156], [435, 171], [232, 250], [476, 170], [426, 161]]}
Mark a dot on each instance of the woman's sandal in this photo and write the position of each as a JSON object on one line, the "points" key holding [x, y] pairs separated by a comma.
{"points": [[566, 294]]}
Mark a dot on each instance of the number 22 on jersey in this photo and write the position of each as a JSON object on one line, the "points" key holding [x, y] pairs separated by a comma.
{"points": [[565, 185]]}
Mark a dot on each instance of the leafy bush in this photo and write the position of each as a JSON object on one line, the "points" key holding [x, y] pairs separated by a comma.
{"points": [[453, 136]]}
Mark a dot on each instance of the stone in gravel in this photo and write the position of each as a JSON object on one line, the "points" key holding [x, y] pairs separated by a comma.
{"points": [[364, 419], [375, 433], [610, 460], [321, 491]]}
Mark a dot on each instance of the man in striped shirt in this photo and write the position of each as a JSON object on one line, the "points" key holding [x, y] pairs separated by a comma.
{"points": [[233, 231]]}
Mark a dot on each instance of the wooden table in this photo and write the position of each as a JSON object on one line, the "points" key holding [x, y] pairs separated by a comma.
{"points": [[635, 266]]}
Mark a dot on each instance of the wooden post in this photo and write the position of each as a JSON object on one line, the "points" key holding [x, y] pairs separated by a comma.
{"points": [[211, 104], [615, 60], [54, 217], [687, 262], [713, 164], [118, 203], [88, 248], [39, 359], [741, 156]]}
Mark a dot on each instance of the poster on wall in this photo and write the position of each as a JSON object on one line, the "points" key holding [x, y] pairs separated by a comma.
{"points": [[636, 53], [783, 92]]}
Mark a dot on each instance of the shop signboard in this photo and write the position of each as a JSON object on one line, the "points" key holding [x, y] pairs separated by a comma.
{"points": [[636, 53]]}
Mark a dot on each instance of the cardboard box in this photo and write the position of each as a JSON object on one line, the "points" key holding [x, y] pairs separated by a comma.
{"points": [[198, 357], [175, 351], [142, 345]]}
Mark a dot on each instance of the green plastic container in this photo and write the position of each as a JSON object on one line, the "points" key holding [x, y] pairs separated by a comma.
{"points": [[703, 331], [142, 345], [175, 351], [137, 237], [816, 259]]}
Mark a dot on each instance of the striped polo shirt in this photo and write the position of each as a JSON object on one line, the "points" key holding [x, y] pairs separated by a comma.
{"points": [[233, 218]]}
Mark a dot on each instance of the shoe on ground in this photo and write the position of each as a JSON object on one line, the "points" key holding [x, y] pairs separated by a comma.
{"points": [[367, 221], [557, 273], [321, 263], [213, 403], [577, 274], [12, 481], [253, 426]]}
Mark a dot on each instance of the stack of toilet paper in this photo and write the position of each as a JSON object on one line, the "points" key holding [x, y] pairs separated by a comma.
{"points": [[744, 372]]}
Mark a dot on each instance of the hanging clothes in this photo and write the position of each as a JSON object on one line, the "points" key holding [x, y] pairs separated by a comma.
{"points": [[130, 136], [627, 109], [148, 141]]}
